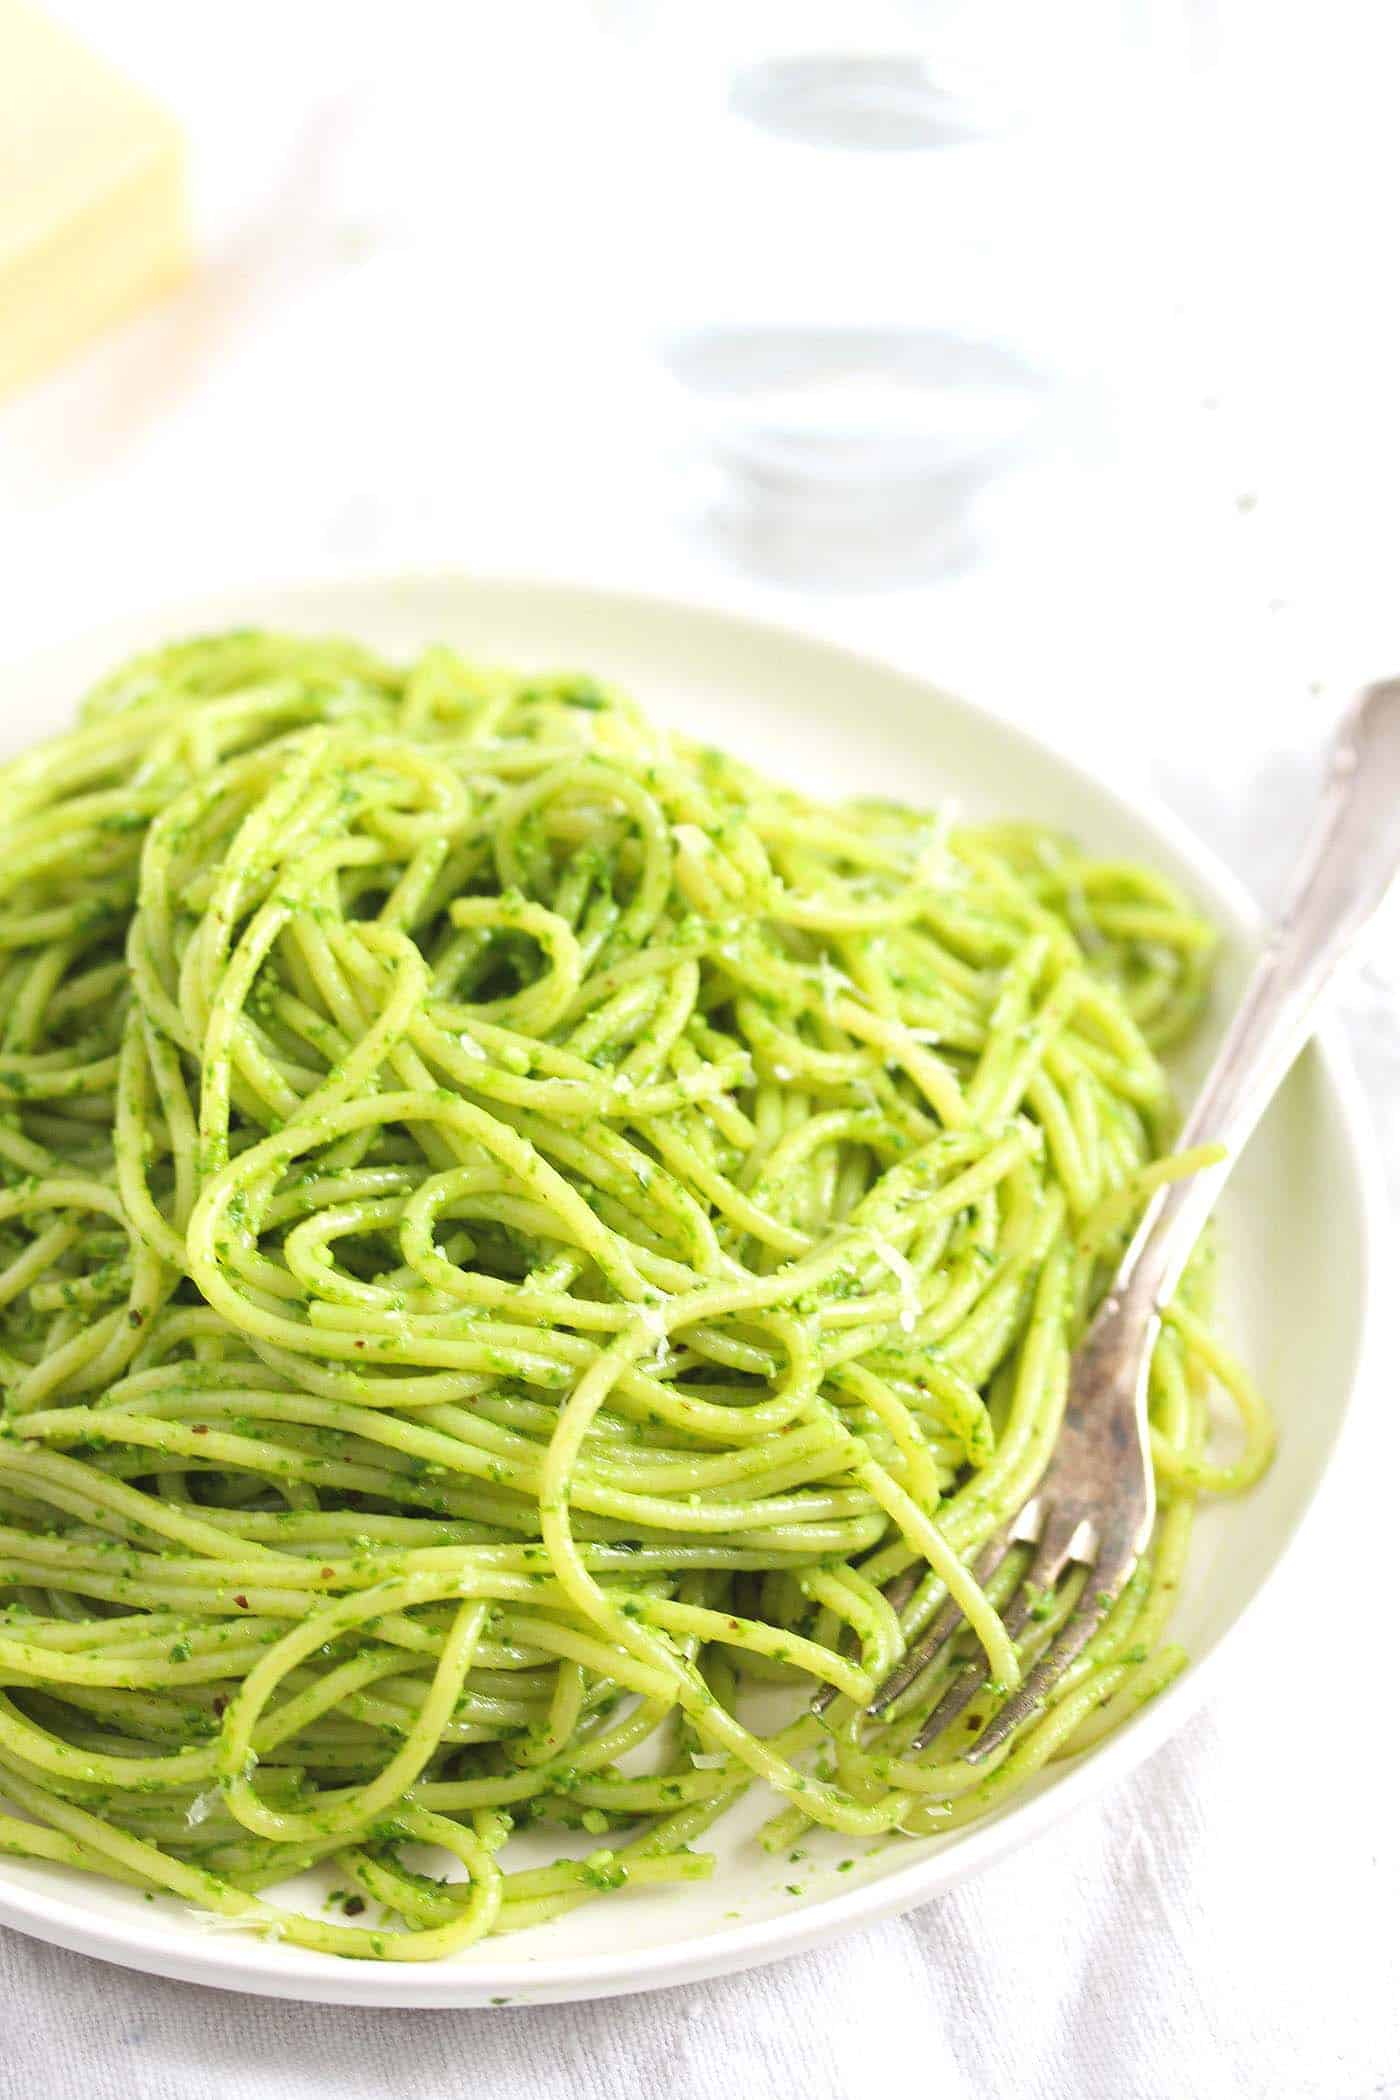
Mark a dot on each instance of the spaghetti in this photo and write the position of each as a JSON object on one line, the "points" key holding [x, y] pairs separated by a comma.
{"points": [[514, 1232]]}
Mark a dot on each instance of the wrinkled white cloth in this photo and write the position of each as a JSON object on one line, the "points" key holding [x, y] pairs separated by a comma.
{"points": [[338, 384]]}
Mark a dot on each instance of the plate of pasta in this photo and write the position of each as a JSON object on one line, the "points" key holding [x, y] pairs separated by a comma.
{"points": [[554, 1146]]}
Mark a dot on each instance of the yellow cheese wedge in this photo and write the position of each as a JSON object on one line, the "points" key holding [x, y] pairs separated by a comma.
{"points": [[93, 215]]}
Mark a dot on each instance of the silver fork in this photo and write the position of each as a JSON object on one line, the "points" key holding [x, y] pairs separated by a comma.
{"points": [[1094, 1504]]}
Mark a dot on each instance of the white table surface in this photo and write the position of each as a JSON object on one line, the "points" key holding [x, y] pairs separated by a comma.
{"points": [[418, 331]]}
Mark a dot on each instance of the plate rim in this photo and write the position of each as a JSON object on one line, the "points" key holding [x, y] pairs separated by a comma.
{"points": [[252, 1966]]}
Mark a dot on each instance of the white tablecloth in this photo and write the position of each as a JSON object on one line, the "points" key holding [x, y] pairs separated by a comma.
{"points": [[1191, 599]]}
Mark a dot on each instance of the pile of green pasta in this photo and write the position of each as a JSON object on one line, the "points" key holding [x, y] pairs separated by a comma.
{"points": [[514, 1231]]}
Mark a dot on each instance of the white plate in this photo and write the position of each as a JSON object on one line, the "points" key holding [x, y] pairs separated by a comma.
{"points": [[1299, 1222]]}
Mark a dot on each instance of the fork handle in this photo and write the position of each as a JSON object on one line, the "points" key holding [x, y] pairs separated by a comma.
{"points": [[1347, 866]]}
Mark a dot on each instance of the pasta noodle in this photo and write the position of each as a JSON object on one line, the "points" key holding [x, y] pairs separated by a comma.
{"points": [[515, 1231]]}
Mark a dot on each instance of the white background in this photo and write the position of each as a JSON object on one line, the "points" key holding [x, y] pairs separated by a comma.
{"points": [[435, 244]]}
